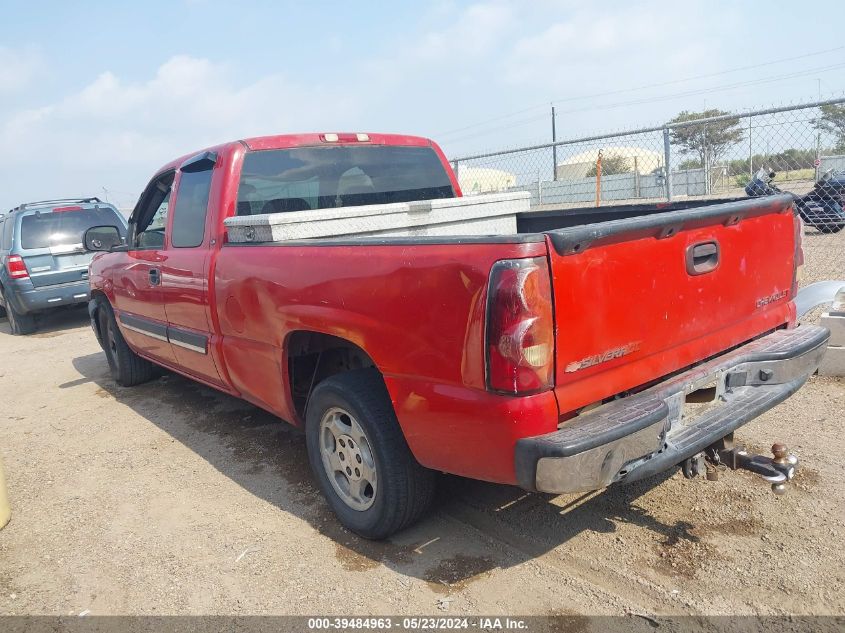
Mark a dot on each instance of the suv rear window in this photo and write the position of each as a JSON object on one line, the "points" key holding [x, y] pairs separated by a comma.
{"points": [[306, 178], [44, 229]]}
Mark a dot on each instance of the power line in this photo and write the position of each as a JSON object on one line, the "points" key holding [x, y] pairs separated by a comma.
{"points": [[709, 75], [702, 91], [699, 91], [644, 87]]}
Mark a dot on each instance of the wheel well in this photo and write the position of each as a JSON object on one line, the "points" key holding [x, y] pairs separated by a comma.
{"points": [[313, 357], [95, 321]]}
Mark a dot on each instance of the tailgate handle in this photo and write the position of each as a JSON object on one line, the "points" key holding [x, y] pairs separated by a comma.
{"points": [[702, 258], [155, 277]]}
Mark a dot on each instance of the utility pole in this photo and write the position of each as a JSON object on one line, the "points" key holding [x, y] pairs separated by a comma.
{"points": [[554, 147], [667, 163], [817, 163], [598, 180], [750, 151]]}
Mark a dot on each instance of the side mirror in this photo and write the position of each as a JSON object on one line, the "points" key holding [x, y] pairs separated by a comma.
{"points": [[102, 238]]}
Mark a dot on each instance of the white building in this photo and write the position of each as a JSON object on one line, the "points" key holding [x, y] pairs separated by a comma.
{"points": [[475, 180], [578, 166]]}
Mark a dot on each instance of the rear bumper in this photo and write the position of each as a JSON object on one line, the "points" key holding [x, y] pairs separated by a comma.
{"points": [[817, 294], [644, 434], [27, 299]]}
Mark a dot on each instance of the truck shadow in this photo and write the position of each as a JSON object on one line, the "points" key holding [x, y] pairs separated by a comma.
{"points": [[455, 545]]}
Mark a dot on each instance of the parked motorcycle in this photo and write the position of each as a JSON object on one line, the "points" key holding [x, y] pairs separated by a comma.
{"points": [[823, 208]]}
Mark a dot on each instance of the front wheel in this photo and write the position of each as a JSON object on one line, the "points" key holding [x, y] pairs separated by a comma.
{"points": [[359, 456], [127, 368]]}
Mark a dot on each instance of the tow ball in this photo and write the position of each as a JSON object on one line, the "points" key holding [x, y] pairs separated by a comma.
{"points": [[777, 469]]}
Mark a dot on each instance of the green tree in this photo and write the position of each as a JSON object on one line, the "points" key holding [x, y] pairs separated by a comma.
{"points": [[832, 121], [707, 140], [787, 160], [611, 165], [692, 163]]}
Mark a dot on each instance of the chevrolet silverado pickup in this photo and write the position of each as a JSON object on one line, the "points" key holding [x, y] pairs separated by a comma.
{"points": [[578, 351]]}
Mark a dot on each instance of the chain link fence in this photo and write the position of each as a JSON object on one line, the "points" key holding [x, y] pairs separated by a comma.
{"points": [[800, 149]]}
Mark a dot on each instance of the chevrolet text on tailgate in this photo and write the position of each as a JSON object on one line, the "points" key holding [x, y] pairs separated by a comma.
{"points": [[554, 350]]}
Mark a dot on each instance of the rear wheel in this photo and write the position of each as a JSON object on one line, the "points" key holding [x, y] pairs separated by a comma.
{"points": [[360, 458], [127, 368], [20, 324]]}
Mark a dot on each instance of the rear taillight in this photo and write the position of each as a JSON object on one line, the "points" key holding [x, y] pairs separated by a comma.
{"points": [[798, 255], [520, 327], [16, 267]]}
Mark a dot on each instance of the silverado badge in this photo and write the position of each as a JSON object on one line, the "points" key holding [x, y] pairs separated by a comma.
{"points": [[597, 359], [764, 301]]}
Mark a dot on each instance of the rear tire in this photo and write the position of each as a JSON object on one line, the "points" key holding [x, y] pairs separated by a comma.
{"points": [[831, 228], [127, 368], [20, 324], [386, 489]]}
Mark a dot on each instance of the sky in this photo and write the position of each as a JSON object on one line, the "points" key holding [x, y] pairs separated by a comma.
{"points": [[94, 97]]}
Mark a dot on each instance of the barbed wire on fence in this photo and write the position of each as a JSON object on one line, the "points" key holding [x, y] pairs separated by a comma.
{"points": [[798, 148]]}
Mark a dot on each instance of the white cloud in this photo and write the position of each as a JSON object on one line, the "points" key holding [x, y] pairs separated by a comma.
{"points": [[586, 39], [115, 132], [472, 33], [451, 73]]}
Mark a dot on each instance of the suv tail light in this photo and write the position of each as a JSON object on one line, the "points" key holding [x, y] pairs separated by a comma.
{"points": [[16, 267], [520, 327], [798, 255]]}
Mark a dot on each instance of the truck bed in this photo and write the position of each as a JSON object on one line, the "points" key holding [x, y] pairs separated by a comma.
{"points": [[626, 311], [487, 218], [566, 217]]}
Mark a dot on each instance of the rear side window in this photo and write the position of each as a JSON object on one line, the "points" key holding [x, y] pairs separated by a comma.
{"points": [[6, 233], [191, 208], [44, 229], [304, 178]]}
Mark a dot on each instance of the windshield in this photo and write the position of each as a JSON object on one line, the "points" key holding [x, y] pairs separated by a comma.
{"points": [[64, 228], [308, 178]]}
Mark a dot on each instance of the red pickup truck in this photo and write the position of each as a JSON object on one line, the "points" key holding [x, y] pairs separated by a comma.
{"points": [[585, 349]]}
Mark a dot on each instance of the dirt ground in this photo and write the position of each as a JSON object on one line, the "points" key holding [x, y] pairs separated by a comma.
{"points": [[170, 498]]}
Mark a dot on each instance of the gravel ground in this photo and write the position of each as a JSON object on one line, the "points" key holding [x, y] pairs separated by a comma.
{"points": [[170, 498]]}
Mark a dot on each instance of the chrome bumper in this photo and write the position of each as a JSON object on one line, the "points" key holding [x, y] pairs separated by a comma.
{"points": [[654, 430], [817, 294]]}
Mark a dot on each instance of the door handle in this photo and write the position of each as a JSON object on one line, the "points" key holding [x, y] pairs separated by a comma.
{"points": [[155, 276], [702, 257]]}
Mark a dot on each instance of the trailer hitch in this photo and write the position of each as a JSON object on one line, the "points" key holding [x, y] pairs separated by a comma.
{"points": [[777, 470]]}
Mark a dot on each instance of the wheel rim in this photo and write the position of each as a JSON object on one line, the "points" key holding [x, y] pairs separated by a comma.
{"points": [[348, 459]]}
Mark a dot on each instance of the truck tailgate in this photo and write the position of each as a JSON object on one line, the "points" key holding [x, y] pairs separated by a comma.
{"points": [[638, 299]]}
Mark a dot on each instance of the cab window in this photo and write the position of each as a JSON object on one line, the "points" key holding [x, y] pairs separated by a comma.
{"points": [[190, 208], [149, 218]]}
